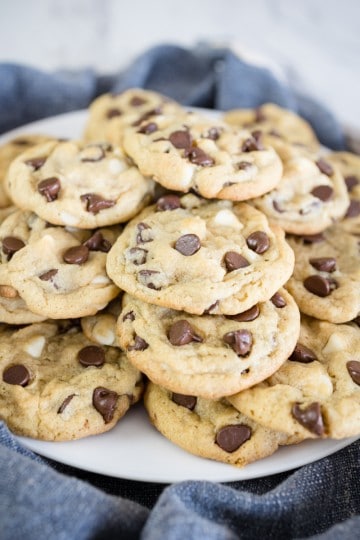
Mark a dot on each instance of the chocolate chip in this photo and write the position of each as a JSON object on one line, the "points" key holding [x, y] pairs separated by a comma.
{"points": [[76, 255], [246, 316], [278, 300], [112, 113], [353, 367], [189, 402], [145, 275], [213, 133], [230, 438], [188, 244], [17, 374], [324, 167], [104, 401], [168, 202], [234, 261], [324, 192], [95, 203], [65, 403], [36, 163], [323, 264], [146, 115], [277, 207], [139, 344], [302, 354], [240, 341], [182, 333], [97, 242], [47, 276], [144, 233], [180, 139], [151, 127], [243, 165], [138, 255], [313, 238], [10, 245], [253, 143], [91, 356], [319, 285], [136, 101], [351, 181], [49, 188], [258, 241], [310, 417], [129, 316], [199, 157], [353, 209]]}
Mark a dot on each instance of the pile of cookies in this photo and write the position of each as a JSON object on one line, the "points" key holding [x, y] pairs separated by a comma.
{"points": [[207, 263]]}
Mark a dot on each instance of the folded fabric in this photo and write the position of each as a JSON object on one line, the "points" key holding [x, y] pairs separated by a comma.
{"points": [[37, 502], [203, 77]]}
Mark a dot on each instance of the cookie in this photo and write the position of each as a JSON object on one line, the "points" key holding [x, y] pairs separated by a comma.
{"points": [[210, 429], [110, 114], [349, 165], [71, 184], [310, 196], [101, 328], [59, 273], [209, 355], [56, 385], [316, 393], [207, 156], [8, 152], [276, 122], [199, 256], [326, 278], [13, 309]]}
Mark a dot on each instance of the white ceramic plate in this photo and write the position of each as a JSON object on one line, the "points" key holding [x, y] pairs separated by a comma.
{"points": [[134, 449]]}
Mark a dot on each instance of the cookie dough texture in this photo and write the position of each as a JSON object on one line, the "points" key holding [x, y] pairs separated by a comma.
{"points": [[276, 122], [110, 114], [312, 395], [326, 278], [200, 430], [310, 196], [180, 257], [207, 156], [209, 355], [349, 165], [51, 280], [73, 184], [47, 393]]}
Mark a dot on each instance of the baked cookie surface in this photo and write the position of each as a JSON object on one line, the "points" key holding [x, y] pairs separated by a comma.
{"points": [[208, 156], [210, 429], [58, 273], [56, 385], [72, 184], [198, 256], [316, 393], [209, 355]]}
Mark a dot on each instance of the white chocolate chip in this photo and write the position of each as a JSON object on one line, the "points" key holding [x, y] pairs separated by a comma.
{"points": [[116, 166], [336, 343], [69, 219], [228, 219], [34, 346], [103, 334], [100, 280]]}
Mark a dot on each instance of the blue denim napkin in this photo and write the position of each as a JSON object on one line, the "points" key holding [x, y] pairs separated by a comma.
{"points": [[42, 499], [202, 77]]}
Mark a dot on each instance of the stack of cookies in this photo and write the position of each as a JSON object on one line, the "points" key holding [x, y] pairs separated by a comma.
{"points": [[168, 254]]}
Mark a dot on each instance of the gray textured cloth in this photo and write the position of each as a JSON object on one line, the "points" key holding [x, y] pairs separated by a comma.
{"points": [[43, 499]]}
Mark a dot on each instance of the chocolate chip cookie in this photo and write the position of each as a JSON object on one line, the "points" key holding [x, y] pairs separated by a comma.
{"points": [[110, 114], [326, 278], [316, 393], [310, 196], [210, 429], [56, 385], [72, 184], [57, 272], [198, 256], [209, 355], [209, 157]]}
